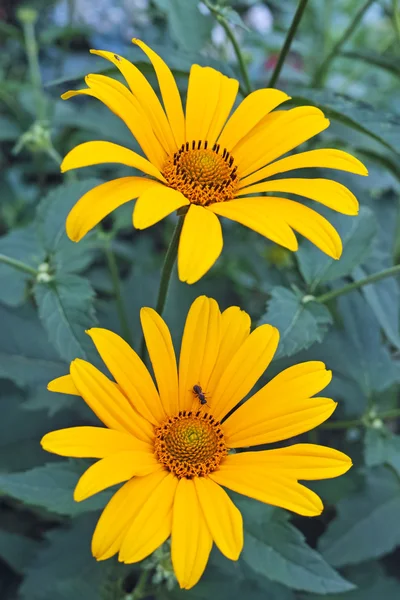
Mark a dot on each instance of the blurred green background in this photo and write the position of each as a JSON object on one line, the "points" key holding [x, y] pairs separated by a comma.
{"points": [[345, 59]]}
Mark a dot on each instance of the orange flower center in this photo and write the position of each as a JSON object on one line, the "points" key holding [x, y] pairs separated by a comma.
{"points": [[204, 175], [190, 444]]}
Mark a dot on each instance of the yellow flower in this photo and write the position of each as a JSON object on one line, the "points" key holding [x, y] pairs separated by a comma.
{"points": [[208, 163], [174, 450]]}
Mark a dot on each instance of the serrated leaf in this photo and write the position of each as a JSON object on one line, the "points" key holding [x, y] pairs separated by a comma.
{"points": [[382, 446], [64, 568], [26, 356], [357, 236], [277, 550], [381, 126], [65, 256], [66, 308], [21, 244], [17, 550], [367, 525], [368, 588], [51, 487], [384, 61], [300, 324]]}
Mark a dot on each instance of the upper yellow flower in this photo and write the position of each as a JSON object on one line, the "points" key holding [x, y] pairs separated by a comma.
{"points": [[173, 442], [209, 163]]}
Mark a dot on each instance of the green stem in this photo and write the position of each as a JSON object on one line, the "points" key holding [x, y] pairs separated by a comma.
{"points": [[288, 42], [34, 68], [169, 262], [396, 17], [122, 315], [242, 64], [17, 264], [389, 414], [390, 272], [322, 70], [140, 588]]}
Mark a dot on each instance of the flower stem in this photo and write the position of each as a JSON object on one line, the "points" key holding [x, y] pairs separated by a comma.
{"points": [[390, 272], [28, 19], [242, 64], [288, 42], [140, 588], [18, 264], [389, 414], [322, 70], [122, 315], [169, 262]]}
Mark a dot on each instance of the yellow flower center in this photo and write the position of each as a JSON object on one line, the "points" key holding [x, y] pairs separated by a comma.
{"points": [[204, 175], [190, 444]]}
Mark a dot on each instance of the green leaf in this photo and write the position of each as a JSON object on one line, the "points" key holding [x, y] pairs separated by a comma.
{"points": [[26, 356], [66, 309], [367, 525], [51, 487], [21, 244], [300, 324], [357, 234], [64, 568], [65, 256], [277, 550], [382, 446], [189, 27], [381, 126], [17, 550], [384, 61]]}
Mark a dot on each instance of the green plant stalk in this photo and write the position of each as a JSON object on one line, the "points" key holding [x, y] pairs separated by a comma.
{"points": [[390, 272], [390, 414], [396, 17], [322, 70], [34, 68], [242, 63], [18, 264], [288, 42], [140, 588], [122, 315], [169, 262]]}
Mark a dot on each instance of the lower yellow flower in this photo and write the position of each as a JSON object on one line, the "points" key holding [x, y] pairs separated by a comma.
{"points": [[173, 443]]}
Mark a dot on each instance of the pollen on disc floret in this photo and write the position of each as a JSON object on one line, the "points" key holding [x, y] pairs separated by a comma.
{"points": [[190, 444], [204, 175]]}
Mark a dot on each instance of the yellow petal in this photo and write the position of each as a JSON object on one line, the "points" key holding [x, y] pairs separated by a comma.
{"points": [[200, 244], [274, 490], [169, 92], [248, 114], [210, 98], [277, 136], [327, 192], [115, 468], [224, 520], [101, 201], [310, 224], [97, 153], [130, 373], [152, 522], [227, 96], [162, 356], [244, 370], [257, 214], [235, 325], [107, 402], [63, 385], [282, 408], [325, 158], [155, 204], [146, 96], [90, 442], [191, 541], [300, 461], [200, 346], [119, 512]]}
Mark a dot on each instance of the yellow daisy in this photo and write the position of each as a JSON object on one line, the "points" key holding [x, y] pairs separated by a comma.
{"points": [[173, 444], [208, 163]]}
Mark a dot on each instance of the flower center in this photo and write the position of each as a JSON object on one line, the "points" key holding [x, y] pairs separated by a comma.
{"points": [[190, 444], [204, 175]]}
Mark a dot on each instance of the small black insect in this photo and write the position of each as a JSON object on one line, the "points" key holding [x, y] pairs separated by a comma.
{"points": [[117, 58], [198, 392]]}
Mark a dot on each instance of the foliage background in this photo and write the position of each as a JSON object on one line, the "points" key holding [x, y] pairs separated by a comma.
{"points": [[351, 551]]}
